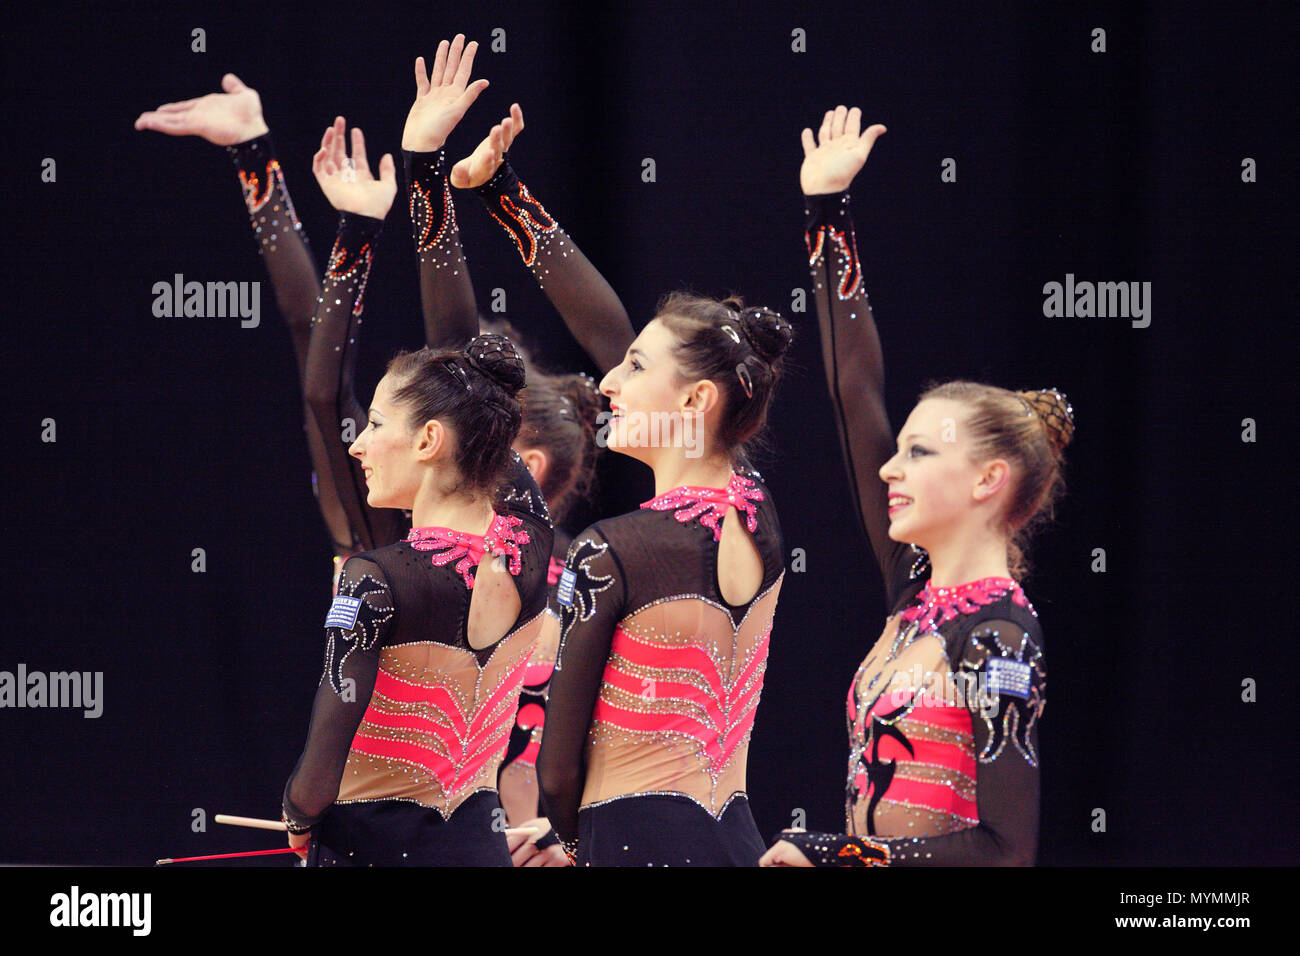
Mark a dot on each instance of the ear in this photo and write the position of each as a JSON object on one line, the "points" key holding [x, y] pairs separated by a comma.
{"points": [[701, 397], [430, 440], [538, 462], [994, 476]]}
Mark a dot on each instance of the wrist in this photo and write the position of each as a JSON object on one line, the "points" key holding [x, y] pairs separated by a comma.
{"points": [[824, 188], [251, 131]]}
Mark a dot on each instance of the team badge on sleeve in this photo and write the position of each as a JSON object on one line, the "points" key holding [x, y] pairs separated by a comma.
{"points": [[565, 592], [1009, 677], [343, 612]]}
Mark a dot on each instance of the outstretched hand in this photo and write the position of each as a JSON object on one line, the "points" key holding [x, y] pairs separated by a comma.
{"points": [[441, 97], [832, 160], [348, 183], [478, 167], [221, 118]]}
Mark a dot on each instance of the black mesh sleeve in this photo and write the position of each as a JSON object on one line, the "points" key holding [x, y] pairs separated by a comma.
{"points": [[446, 293], [587, 303], [855, 376], [592, 597], [359, 621], [331, 367], [296, 283]]}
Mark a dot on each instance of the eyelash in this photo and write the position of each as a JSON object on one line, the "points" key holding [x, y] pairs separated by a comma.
{"points": [[636, 366], [923, 451]]}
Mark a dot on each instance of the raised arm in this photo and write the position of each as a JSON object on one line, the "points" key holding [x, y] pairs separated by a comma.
{"points": [[441, 99], [1003, 676], [356, 628], [362, 202], [855, 370], [587, 303], [233, 119], [592, 596]]}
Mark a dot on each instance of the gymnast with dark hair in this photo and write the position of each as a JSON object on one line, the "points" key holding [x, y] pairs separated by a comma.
{"points": [[556, 440], [667, 611], [943, 713]]}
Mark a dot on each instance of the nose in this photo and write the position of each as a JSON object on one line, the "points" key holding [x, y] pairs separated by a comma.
{"points": [[357, 449], [607, 384], [890, 471]]}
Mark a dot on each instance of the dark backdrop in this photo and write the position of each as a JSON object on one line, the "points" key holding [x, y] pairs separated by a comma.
{"points": [[180, 433]]}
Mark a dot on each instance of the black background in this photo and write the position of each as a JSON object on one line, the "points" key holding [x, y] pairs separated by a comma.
{"points": [[179, 433]]}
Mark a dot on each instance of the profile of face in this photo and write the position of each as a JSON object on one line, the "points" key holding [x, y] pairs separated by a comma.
{"points": [[936, 491], [395, 455], [652, 405]]}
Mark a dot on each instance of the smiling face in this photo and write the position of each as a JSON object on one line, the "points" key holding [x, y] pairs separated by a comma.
{"points": [[388, 450], [935, 489], [652, 406]]}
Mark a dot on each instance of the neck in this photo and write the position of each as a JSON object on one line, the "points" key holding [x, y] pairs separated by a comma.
{"points": [[963, 558], [470, 513], [677, 470]]}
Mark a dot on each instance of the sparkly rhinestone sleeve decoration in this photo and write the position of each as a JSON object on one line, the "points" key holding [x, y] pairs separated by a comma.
{"points": [[513, 207], [433, 216], [1009, 665], [351, 258], [503, 538], [828, 222], [364, 627], [265, 194], [710, 504], [837, 849]]}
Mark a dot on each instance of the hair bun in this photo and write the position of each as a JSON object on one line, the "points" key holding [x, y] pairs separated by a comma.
{"points": [[496, 357], [768, 332], [1055, 412]]}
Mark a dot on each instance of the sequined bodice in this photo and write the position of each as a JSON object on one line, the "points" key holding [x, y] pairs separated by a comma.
{"points": [[912, 762], [684, 675]]}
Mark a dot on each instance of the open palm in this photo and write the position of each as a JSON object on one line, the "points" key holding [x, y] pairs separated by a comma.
{"points": [[348, 183], [442, 97], [221, 118], [832, 160], [477, 168]]}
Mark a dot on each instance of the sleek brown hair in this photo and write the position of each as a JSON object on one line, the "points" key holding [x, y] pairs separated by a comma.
{"points": [[740, 350], [475, 389]]}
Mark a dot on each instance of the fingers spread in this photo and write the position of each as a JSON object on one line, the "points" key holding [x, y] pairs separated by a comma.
{"points": [[837, 124], [824, 134]]}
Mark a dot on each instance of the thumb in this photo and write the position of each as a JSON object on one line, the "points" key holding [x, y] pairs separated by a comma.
{"points": [[232, 84], [460, 174], [471, 93], [387, 169], [872, 133]]}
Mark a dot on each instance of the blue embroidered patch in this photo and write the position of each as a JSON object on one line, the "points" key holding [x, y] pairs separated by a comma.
{"points": [[343, 612], [1009, 677], [565, 593]]}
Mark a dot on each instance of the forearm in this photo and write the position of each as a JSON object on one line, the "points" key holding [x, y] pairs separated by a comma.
{"points": [[280, 238], [446, 293], [588, 304], [853, 361]]}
